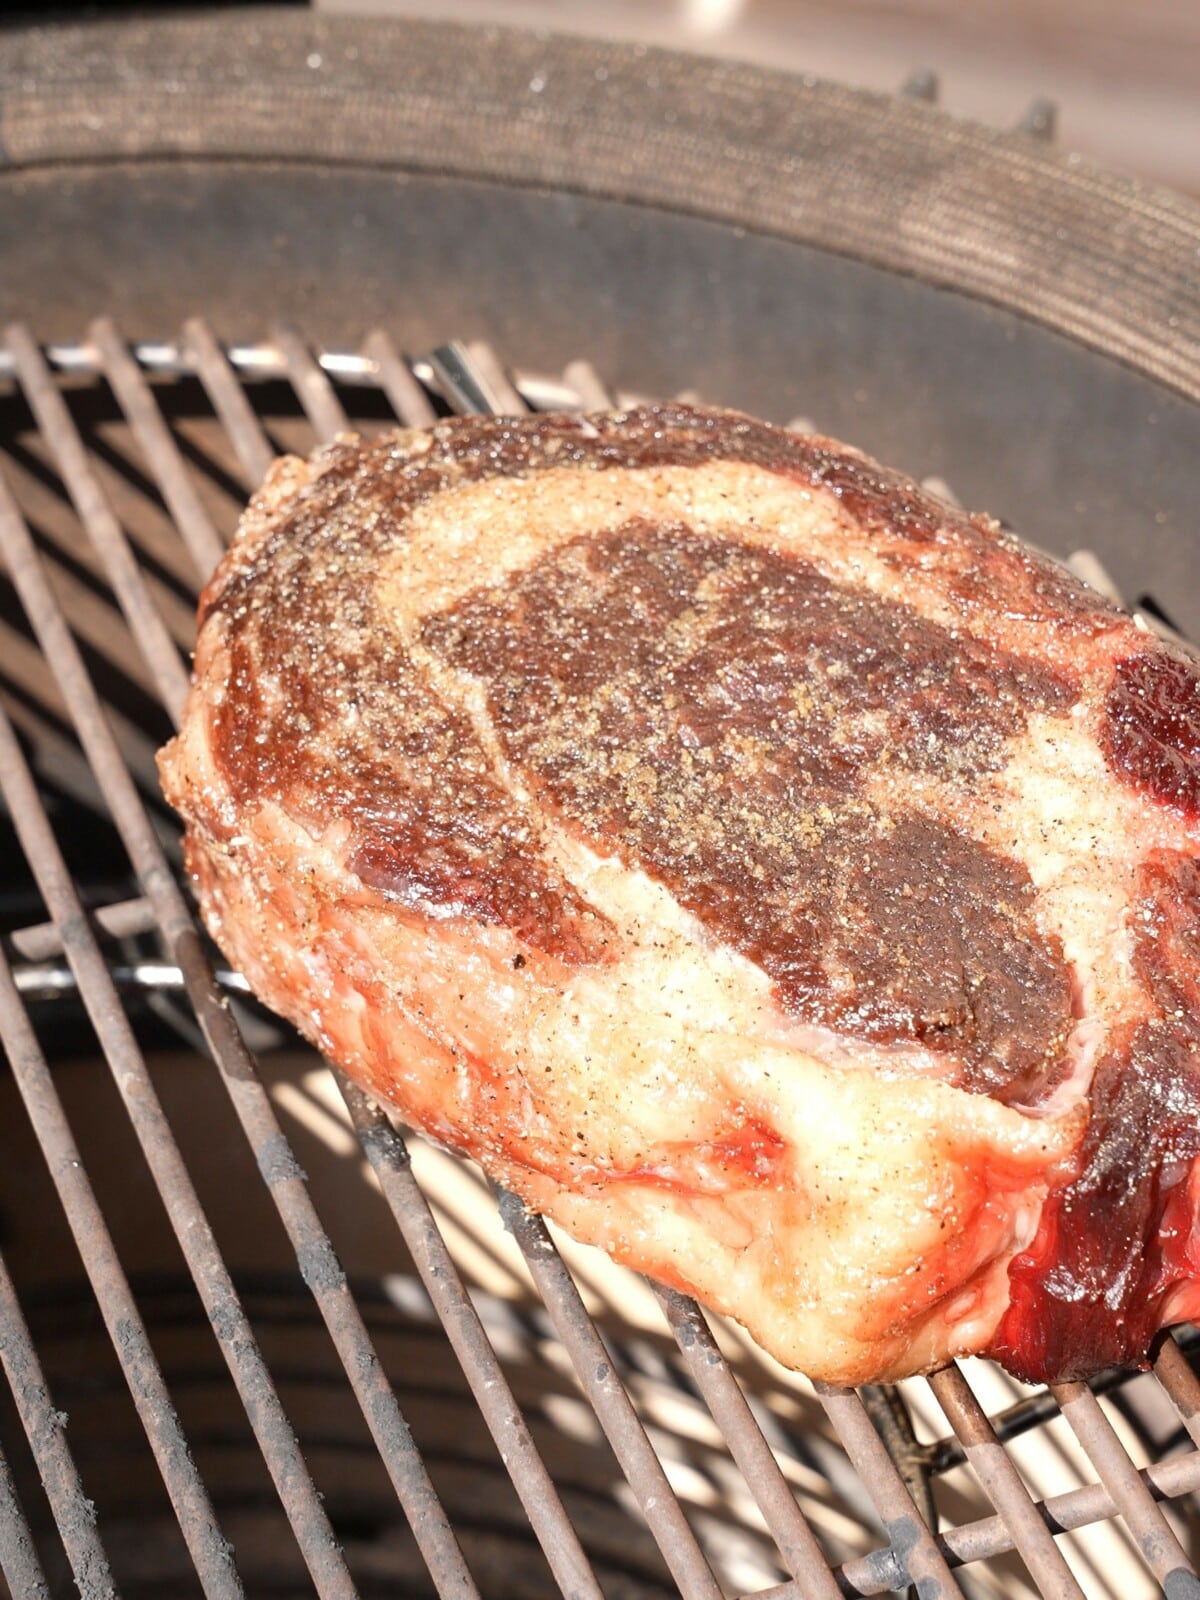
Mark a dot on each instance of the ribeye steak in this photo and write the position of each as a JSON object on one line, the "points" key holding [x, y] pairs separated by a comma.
{"points": [[781, 879]]}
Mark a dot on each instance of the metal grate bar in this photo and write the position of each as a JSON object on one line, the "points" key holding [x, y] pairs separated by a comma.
{"points": [[161, 452], [389, 1158], [228, 400], [121, 920], [913, 1555], [96, 621], [468, 389], [610, 1400], [1014, 1420], [247, 1367], [45, 1428], [995, 1469], [888, 1414], [25, 671], [541, 391], [594, 394], [49, 979], [1086, 564], [797, 1543], [239, 418], [314, 390], [405, 395], [1163, 1553], [991, 1536], [59, 431], [1181, 1384], [494, 380], [189, 1497], [234, 1334], [159, 448], [19, 1561], [281, 1171]]}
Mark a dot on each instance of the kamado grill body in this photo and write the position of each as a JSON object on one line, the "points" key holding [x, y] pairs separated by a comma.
{"points": [[232, 235]]}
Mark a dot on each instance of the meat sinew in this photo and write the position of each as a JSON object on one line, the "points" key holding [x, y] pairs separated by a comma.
{"points": [[782, 880]]}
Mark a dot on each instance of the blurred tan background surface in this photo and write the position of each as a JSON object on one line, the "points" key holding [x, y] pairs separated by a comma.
{"points": [[1124, 74]]}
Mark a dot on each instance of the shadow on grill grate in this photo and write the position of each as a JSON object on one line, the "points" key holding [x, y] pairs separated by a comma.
{"points": [[229, 1378]]}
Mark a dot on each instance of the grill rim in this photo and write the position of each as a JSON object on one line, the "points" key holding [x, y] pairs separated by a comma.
{"points": [[889, 180]]}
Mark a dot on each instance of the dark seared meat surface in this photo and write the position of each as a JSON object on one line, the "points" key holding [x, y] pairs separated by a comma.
{"points": [[710, 711], [785, 880]]}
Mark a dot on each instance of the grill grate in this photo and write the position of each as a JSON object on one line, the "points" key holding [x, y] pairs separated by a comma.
{"points": [[95, 752]]}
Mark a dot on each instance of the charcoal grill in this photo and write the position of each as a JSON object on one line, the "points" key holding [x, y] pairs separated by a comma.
{"points": [[224, 1378]]}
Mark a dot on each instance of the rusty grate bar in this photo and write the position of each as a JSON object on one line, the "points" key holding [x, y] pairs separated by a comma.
{"points": [[405, 395], [467, 387], [1163, 1553], [228, 399], [489, 374], [878, 1573], [19, 1563], [593, 393], [470, 378], [1000, 1478], [313, 388], [611, 1402], [120, 920], [814, 1579], [45, 1428], [913, 1554], [1180, 1383], [389, 1158]]}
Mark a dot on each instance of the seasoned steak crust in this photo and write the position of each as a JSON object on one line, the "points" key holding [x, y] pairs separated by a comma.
{"points": [[719, 714], [779, 877]]}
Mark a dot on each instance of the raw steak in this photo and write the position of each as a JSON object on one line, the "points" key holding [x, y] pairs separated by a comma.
{"points": [[782, 880]]}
